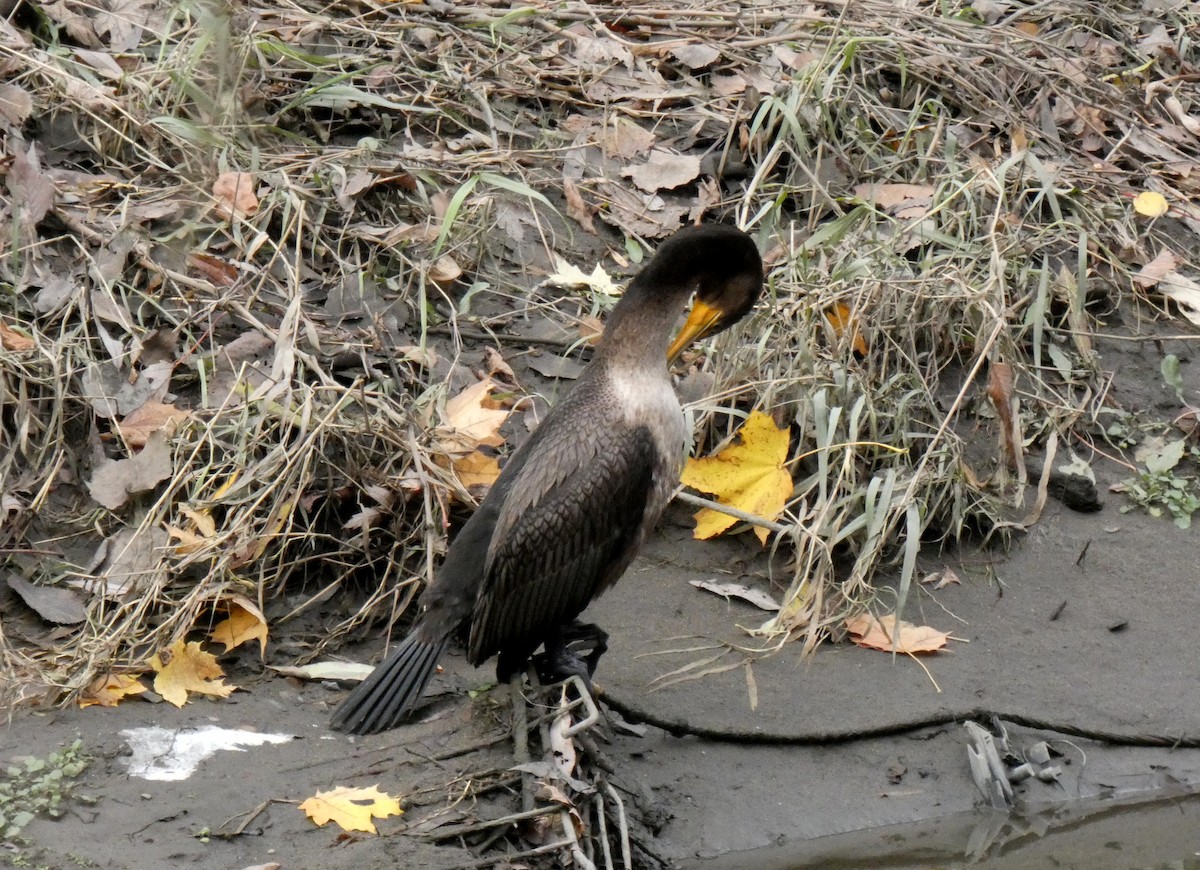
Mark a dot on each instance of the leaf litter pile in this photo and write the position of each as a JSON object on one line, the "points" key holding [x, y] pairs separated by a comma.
{"points": [[283, 285]]}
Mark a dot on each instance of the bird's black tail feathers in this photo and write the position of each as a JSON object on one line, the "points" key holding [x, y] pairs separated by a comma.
{"points": [[382, 700]]}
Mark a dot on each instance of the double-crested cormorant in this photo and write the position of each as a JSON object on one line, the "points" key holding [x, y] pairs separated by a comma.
{"points": [[575, 501]]}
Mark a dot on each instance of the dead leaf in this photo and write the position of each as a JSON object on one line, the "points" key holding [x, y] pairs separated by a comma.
{"points": [[445, 271], [663, 171], [1191, 123], [32, 192], [1002, 394], [749, 476], [351, 808], [184, 668], [576, 207], [550, 365], [115, 480], [1150, 204], [476, 470], [110, 689], [1184, 292], [1156, 269], [189, 541], [590, 330], [234, 195], [15, 104], [696, 56], [12, 340], [125, 564], [216, 270], [879, 633], [639, 214], [149, 418], [496, 367], [472, 419], [941, 579], [244, 623], [893, 197], [623, 138], [60, 606], [122, 21], [757, 597], [568, 275], [321, 671], [842, 320]]}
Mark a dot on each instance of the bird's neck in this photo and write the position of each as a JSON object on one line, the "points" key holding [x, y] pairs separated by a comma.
{"points": [[640, 328]]}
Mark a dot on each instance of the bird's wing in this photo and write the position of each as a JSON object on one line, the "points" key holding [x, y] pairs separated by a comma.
{"points": [[569, 528]]}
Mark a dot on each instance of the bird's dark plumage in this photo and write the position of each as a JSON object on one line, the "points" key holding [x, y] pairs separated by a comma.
{"points": [[576, 500]]}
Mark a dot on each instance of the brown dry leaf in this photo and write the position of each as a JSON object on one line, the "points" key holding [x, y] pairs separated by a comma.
{"points": [[1184, 292], [1157, 269], [77, 25], [115, 480], [697, 56], [15, 104], [639, 214], [576, 207], [663, 171], [123, 22], [234, 194], [749, 476], [32, 191], [1191, 123], [757, 597], [445, 271], [624, 138], [472, 419], [351, 808], [244, 623], [941, 579], [149, 418], [216, 270], [184, 668], [51, 603], [842, 320], [496, 366], [110, 689], [1001, 393], [879, 633], [10, 339], [590, 329], [902, 200], [189, 542]]}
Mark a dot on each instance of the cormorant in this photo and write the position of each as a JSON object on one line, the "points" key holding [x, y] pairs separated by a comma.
{"points": [[575, 502]]}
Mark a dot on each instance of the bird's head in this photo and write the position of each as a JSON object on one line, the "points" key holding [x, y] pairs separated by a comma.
{"points": [[722, 263]]}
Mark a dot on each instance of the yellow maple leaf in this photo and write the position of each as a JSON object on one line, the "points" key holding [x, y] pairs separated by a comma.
{"points": [[108, 690], [749, 476], [351, 808], [184, 668], [477, 469], [472, 418], [881, 633], [189, 542], [843, 320], [244, 623]]}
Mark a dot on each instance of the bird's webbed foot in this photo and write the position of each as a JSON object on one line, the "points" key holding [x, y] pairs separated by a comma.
{"points": [[573, 650]]}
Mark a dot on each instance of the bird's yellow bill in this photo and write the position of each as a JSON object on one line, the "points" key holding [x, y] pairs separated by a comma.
{"points": [[700, 322]]}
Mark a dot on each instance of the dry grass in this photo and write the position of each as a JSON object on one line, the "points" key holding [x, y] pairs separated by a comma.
{"points": [[392, 145]]}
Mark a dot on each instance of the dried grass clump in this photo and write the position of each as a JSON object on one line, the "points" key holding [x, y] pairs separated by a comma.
{"points": [[411, 163]]}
